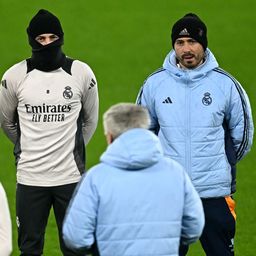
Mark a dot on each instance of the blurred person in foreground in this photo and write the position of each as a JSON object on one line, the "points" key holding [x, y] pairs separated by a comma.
{"points": [[203, 119], [49, 110], [136, 201], [5, 225]]}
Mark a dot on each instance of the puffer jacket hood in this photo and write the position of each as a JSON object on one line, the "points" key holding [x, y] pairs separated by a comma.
{"points": [[191, 74], [133, 150]]}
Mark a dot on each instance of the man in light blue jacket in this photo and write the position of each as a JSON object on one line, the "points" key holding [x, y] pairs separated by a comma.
{"points": [[203, 119], [136, 201]]}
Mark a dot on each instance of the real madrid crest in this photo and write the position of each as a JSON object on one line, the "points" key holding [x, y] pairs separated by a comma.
{"points": [[67, 94], [207, 100]]}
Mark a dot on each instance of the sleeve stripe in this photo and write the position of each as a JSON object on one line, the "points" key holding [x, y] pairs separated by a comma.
{"points": [[138, 100], [245, 139]]}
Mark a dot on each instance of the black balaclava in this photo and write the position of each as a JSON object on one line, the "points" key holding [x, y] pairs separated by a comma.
{"points": [[190, 26], [46, 57]]}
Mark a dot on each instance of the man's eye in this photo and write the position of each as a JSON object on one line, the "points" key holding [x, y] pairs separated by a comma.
{"points": [[39, 38], [54, 37]]}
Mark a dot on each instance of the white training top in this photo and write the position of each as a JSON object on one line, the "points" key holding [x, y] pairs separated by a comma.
{"points": [[49, 116], [5, 225]]}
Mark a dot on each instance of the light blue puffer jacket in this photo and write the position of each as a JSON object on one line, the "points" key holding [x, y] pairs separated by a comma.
{"points": [[137, 201], [203, 119]]}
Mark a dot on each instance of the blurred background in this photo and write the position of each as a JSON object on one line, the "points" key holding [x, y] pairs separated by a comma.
{"points": [[124, 42]]}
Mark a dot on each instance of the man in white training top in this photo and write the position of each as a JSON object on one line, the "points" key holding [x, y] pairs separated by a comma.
{"points": [[49, 110]]}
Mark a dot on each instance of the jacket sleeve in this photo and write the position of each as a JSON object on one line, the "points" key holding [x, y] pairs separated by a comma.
{"points": [[90, 106], [8, 107], [5, 225], [80, 220], [193, 214], [239, 121], [145, 99]]}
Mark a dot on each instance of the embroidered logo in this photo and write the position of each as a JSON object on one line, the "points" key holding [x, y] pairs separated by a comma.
{"points": [[207, 100], [231, 245], [167, 100], [17, 221], [200, 32], [4, 84], [67, 94], [184, 32]]}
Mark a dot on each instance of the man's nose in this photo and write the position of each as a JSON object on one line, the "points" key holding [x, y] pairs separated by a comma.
{"points": [[186, 47], [48, 40]]}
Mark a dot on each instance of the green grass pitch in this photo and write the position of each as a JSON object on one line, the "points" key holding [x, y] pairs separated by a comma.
{"points": [[124, 41]]}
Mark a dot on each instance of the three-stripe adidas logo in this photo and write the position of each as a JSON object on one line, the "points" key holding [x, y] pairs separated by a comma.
{"points": [[167, 100], [4, 84], [93, 82], [184, 32]]}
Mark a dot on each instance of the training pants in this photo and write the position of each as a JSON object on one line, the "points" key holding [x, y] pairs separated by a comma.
{"points": [[219, 231], [33, 206]]}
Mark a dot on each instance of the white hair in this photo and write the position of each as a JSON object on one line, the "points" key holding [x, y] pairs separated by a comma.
{"points": [[123, 117]]}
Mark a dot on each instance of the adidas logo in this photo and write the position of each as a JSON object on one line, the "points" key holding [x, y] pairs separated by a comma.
{"points": [[92, 84], [184, 32], [167, 100], [4, 84]]}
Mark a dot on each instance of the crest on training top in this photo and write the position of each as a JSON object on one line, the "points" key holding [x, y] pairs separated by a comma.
{"points": [[207, 100], [67, 94]]}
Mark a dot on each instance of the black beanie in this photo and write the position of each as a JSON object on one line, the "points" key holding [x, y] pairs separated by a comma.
{"points": [[190, 26], [45, 57], [44, 22]]}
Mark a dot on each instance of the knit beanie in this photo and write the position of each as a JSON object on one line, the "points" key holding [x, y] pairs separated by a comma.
{"points": [[50, 56], [44, 22], [190, 26]]}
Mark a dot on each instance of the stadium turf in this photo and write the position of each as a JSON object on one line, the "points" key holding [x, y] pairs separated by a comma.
{"points": [[124, 41]]}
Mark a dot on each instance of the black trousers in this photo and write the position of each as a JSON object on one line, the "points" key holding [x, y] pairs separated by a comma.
{"points": [[219, 231], [33, 206]]}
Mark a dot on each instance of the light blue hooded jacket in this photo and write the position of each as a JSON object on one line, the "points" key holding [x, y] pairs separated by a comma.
{"points": [[203, 119], [136, 201]]}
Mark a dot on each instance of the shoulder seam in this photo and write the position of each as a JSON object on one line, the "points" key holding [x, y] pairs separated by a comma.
{"points": [[156, 72], [29, 66], [159, 70], [67, 65]]}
